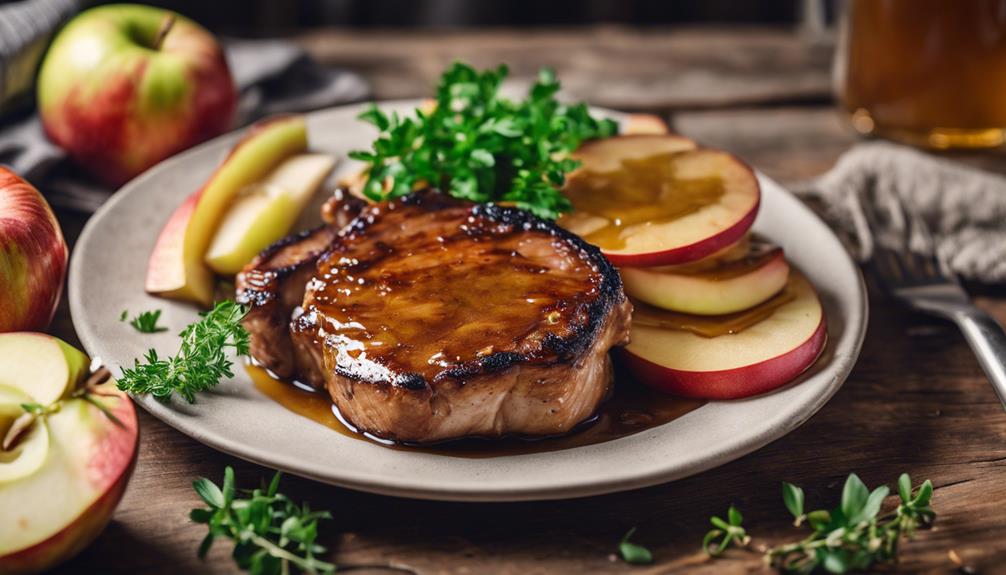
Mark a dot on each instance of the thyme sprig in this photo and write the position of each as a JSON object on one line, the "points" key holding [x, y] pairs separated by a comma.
{"points": [[854, 536], [272, 535], [202, 359]]}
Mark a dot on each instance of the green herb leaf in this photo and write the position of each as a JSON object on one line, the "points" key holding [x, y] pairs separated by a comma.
{"points": [[124, 315], [146, 322], [477, 145], [734, 516], [726, 532], [792, 497], [209, 492], [633, 552], [905, 487], [854, 496], [271, 534], [201, 361], [872, 506]]}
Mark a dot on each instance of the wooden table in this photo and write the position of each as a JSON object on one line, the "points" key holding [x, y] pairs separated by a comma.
{"points": [[916, 401]]}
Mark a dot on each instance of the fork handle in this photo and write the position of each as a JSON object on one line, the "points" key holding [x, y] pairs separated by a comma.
{"points": [[988, 340]]}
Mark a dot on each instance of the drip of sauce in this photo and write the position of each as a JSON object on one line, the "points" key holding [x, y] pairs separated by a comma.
{"points": [[631, 408], [713, 325], [641, 191]]}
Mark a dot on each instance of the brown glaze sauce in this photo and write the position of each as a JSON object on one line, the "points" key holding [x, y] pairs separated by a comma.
{"points": [[739, 259], [419, 305], [712, 325], [632, 408], [642, 190]]}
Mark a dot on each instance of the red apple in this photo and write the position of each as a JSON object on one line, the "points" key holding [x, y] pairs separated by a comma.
{"points": [[125, 86], [740, 278], [33, 256], [627, 221], [760, 358], [61, 480]]}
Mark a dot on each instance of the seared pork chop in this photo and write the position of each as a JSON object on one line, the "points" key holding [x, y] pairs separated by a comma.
{"points": [[429, 318]]}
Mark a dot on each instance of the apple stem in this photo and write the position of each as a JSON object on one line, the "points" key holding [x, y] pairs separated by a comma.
{"points": [[166, 25]]}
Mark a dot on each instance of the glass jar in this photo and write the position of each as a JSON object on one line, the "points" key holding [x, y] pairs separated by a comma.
{"points": [[930, 73]]}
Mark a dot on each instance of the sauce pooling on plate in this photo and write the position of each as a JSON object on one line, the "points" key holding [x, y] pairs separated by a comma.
{"points": [[632, 408], [642, 191]]}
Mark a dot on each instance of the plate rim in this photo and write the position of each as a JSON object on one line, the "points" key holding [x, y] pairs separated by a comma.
{"points": [[471, 491]]}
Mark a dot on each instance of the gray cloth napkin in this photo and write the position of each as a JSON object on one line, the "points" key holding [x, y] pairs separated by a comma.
{"points": [[272, 76], [965, 208]]}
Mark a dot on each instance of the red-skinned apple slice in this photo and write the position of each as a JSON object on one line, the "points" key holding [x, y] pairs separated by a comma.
{"points": [[758, 359], [177, 268], [61, 479], [740, 279], [645, 203]]}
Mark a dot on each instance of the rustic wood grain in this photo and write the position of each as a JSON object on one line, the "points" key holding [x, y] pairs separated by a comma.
{"points": [[916, 402], [624, 68]]}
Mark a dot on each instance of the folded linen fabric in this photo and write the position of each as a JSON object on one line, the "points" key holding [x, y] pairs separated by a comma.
{"points": [[964, 207]]}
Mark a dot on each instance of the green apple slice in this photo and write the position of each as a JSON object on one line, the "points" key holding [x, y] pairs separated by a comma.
{"points": [[42, 367], [177, 268], [266, 212]]}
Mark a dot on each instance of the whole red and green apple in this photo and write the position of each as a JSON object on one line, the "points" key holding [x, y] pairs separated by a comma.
{"points": [[33, 256], [125, 86]]}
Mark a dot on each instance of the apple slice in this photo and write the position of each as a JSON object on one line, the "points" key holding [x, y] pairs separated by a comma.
{"points": [[177, 267], [638, 124], [266, 211], [757, 359], [55, 505], [42, 367], [740, 278], [650, 200], [607, 154]]}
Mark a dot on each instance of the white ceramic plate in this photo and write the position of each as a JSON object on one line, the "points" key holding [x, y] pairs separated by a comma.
{"points": [[107, 274]]}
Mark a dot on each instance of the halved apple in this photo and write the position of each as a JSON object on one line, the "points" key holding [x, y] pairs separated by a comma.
{"points": [[264, 212], [762, 357], [740, 278], [652, 200], [177, 267], [62, 479], [43, 367]]}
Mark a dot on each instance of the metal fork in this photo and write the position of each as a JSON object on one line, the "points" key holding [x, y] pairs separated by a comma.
{"points": [[904, 259]]}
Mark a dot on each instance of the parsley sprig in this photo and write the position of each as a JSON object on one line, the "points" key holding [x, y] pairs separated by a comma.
{"points": [[201, 361], [479, 146], [145, 322], [271, 533]]}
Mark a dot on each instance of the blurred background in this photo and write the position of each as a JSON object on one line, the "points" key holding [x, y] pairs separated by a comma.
{"points": [[269, 17]]}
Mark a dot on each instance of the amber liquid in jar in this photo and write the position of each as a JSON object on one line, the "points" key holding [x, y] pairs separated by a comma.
{"points": [[930, 73]]}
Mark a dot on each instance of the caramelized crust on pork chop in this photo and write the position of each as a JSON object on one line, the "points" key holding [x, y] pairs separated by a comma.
{"points": [[430, 318], [272, 286]]}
